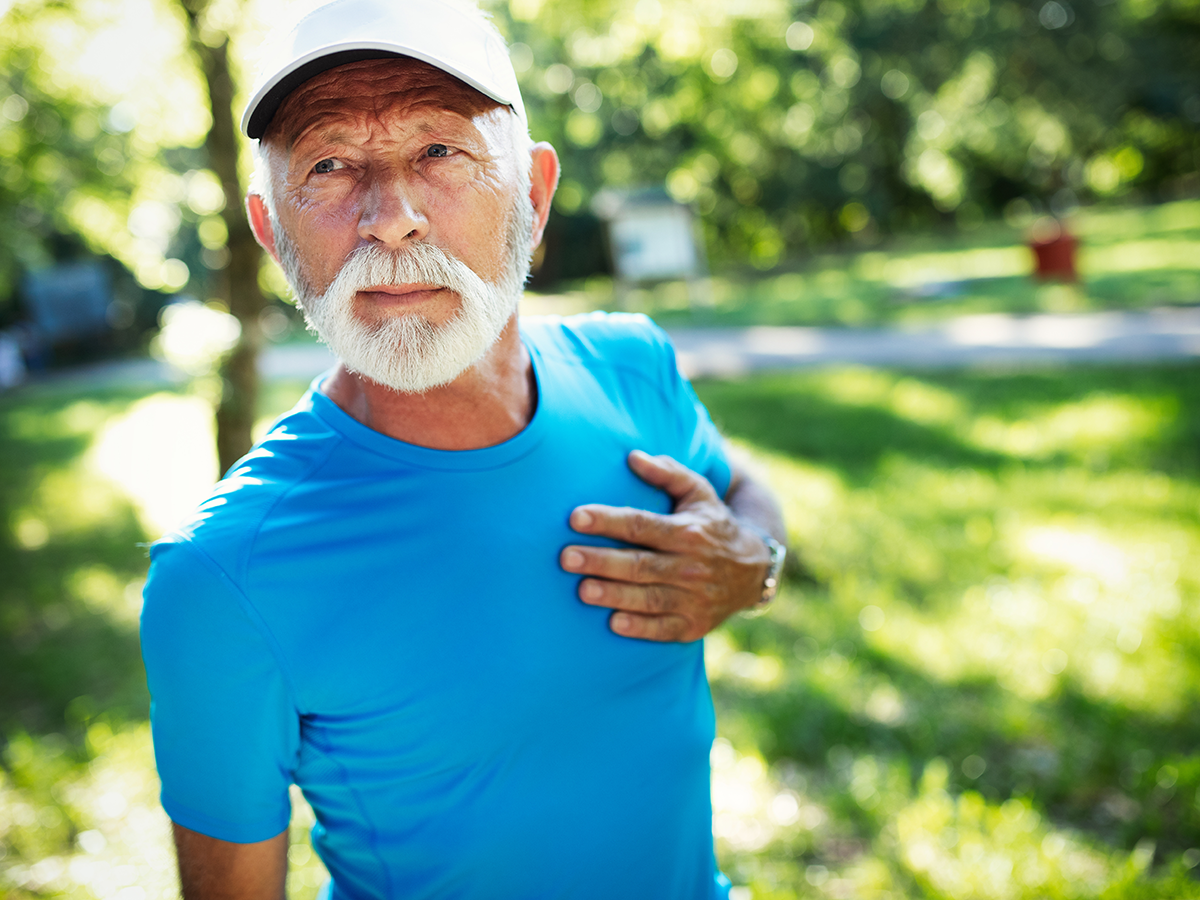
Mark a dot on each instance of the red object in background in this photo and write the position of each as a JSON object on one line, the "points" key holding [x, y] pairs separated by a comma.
{"points": [[1053, 251]]}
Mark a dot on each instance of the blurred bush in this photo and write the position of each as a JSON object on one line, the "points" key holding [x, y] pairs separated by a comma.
{"points": [[792, 124]]}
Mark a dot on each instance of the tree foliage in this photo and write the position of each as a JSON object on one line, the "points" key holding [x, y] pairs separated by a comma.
{"points": [[236, 283], [59, 152], [99, 133], [120, 133], [793, 124]]}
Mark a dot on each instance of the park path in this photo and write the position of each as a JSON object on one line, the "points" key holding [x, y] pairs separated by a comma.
{"points": [[982, 340], [992, 340]]}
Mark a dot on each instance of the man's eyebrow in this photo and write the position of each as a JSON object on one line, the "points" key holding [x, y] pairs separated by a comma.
{"points": [[343, 127], [330, 134]]}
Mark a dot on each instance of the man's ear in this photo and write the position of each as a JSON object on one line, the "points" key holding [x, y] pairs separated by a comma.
{"points": [[260, 224], [542, 184]]}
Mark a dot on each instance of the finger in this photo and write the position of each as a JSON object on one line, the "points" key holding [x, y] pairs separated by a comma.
{"points": [[632, 565], [648, 628], [639, 598], [672, 476], [624, 523]]}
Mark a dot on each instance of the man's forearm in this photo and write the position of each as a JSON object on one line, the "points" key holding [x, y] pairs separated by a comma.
{"points": [[755, 505], [212, 869]]}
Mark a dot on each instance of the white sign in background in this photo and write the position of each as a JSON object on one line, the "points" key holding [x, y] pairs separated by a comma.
{"points": [[652, 242]]}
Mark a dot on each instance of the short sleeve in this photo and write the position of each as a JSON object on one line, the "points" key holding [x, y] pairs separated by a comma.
{"points": [[226, 729], [700, 446]]}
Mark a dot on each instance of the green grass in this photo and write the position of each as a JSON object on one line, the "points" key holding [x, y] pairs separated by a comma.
{"points": [[1129, 259], [979, 681], [987, 664]]}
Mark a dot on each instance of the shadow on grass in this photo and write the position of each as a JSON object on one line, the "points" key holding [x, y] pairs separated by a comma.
{"points": [[794, 414], [851, 440], [1089, 764], [53, 649], [68, 632]]}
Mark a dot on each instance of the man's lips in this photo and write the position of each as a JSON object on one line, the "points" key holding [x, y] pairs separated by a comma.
{"points": [[399, 294]]}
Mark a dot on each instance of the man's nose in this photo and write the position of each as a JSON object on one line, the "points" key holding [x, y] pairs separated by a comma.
{"points": [[390, 214]]}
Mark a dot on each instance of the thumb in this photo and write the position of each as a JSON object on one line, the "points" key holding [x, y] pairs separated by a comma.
{"points": [[683, 485]]}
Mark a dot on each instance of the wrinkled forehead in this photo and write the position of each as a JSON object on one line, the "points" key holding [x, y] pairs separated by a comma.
{"points": [[372, 88]]}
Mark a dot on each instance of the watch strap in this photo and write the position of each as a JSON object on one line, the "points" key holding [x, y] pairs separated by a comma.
{"points": [[770, 586]]}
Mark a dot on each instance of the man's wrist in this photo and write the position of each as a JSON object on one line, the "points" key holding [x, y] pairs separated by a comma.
{"points": [[770, 585]]}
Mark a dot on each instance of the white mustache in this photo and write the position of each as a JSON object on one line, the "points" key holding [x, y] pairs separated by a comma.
{"points": [[420, 263], [407, 352]]}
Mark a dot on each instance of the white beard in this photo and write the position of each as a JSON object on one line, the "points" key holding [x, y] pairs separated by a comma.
{"points": [[407, 352]]}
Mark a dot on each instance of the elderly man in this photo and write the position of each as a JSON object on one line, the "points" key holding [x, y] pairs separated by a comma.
{"points": [[456, 594]]}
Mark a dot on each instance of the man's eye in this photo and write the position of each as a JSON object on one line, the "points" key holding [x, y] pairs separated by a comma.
{"points": [[325, 166], [438, 150]]}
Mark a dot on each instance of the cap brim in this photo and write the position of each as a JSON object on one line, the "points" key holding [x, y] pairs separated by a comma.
{"points": [[266, 102], [262, 108]]}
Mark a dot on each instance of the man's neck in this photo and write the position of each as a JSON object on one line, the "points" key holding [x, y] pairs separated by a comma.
{"points": [[488, 404]]}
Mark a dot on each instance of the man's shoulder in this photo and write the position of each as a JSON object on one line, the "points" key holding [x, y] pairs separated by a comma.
{"points": [[629, 339], [225, 521]]}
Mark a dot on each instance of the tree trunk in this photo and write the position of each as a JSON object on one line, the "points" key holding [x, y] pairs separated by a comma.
{"points": [[237, 283]]}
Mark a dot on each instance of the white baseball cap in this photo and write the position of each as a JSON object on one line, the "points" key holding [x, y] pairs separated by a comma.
{"points": [[456, 39]]}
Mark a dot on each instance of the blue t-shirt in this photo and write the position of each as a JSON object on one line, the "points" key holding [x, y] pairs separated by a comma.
{"points": [[388, 626]]}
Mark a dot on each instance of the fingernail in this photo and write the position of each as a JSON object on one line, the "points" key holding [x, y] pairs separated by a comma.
{"points": [[621, 622], [572, 559], [591, 590], [582, 518]]}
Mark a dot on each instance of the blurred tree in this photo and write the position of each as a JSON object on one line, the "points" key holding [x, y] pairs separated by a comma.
{"points": [[55, 150], [791, 124], [95, 148], [237, 283], [113, 132]]}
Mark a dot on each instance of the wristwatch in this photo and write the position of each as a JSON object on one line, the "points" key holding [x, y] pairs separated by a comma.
{"points": [[770, 585]]}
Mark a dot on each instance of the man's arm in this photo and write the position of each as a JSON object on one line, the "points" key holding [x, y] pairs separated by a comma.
{"points": [[212, 869], [689, 570]]}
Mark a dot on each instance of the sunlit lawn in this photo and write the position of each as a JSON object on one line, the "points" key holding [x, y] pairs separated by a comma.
{"points": [[1130, 258], [985, 683], [980, 682]]}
